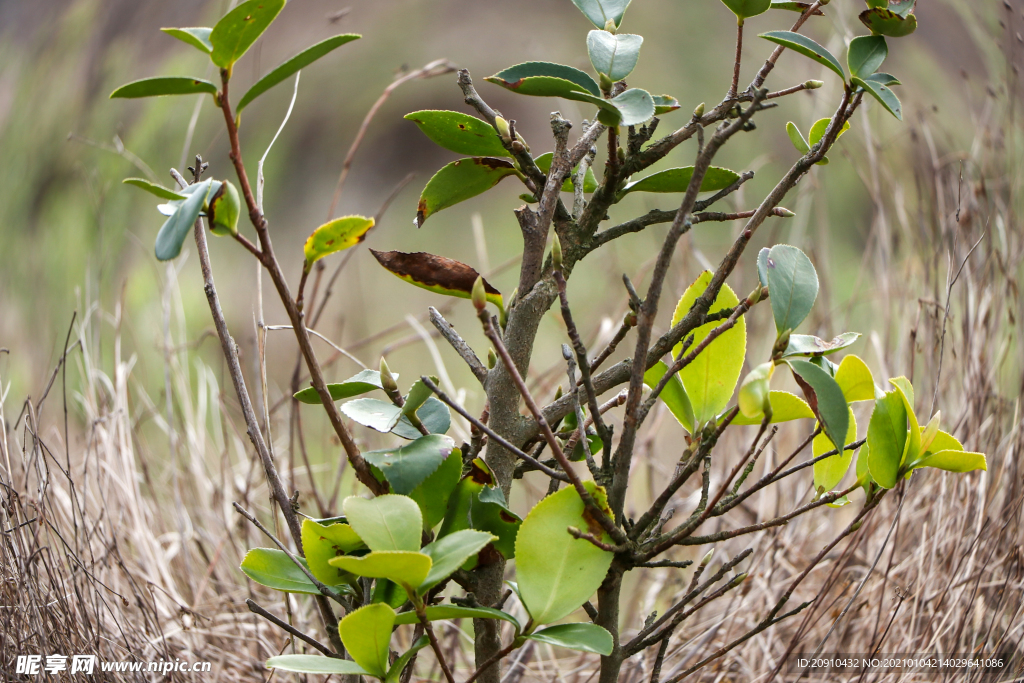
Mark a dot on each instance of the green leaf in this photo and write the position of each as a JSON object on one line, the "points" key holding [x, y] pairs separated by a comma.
{"points": [[406, 467], [762, 266], [198, 37], [388, 593], [388, 522], [613, 55], [678, 180], [176, 228], [825, 398], [296, 63], [583, 637], [817, 132], [877, 3], [321, 543], [865, 55], [800, 7], [442, 612], [634, 106], [461, 180], [830, 471], [546, 79], [451, 552], [336, 235], [797, 138], [600, 12], [809, 345], [747, 8], [883, 79], [712, 376], [887, 438], [862, 469], [885, 22], [912, 448], [806, 47], [436, 274], [786, 407], [237, 30], [886, 97], [459, 133], [854, 378], [459, 504], [315, 664], [953, 461], [943, 441], [663, 104], [224, 207], [366, 634], [589, 180], [792, 284], [404, 567], [153, 188], [164, 85], [361, 383], [434, 415], [674, 395], [418, 394], [395, 672], [902, 7], [557, 572], [753, 399], [373, 413], [273, 568], [432, 495], [489, 512]]}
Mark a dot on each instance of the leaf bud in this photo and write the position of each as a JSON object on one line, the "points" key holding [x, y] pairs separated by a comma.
{"points": [[784, 212], [479, 295], [754, 391], [699, 111], [503, 130], [610, 26], [492, 359], [707, 558], [556, 252], [512, 298], [558, 392], [813, 85], [738, 579], [387, 380]]}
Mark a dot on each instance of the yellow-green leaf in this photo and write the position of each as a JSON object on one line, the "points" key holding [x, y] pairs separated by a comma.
{"points": [[336, 235], [460, 180], [830, 471], [404, 567], [785, 408], [366, 634], [322, 543], [854, 378], [237, 30]]}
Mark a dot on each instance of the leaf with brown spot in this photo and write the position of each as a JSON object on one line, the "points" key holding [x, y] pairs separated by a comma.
{"points": [[459, 181], [436, 274], [336, 235], [460, 133]]}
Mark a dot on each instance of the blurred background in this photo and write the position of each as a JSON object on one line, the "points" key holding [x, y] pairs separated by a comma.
{"points": [[887, 223]]}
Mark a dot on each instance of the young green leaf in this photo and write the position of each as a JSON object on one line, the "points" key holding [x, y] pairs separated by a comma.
{"points": [[273, 568], [461, 180], [762, 266], [786, 407], [744, 9], [600, 12], [289, 67], [447, 611], [806, 47], [237, 30], [674, 395], [164, 85], [678, 180], [323, 542], [887, 439], [754, 393], [373, 413], [712, 376], [589, 180], [797, 138], [885, 22], [854, 378], [582, 637], [886, 97], [176, 228], [817, 132], [316, 664], [614, 55], [435, 274], [558, 573], [865, 55], [663, 104], [406, 568], [224, 209], [912, 449], [954, 461], [459, 133], [406, 467], [809, 345], [830, 471], [793, 284], [361, 383], [451, 552], [198, 37], [388, 522], [632, 108], [153, 188], [366, 634], [336, 235], [825, 398], [433, 414]]}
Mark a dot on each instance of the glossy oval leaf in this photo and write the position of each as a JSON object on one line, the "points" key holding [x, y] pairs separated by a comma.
{"points": [[797, 138], [883, 79], [809, 345], [614, 55], [807, 47], [673, 395], [589, 180], [855, 380], [322, 543], [792, 284], [786, 407], [830, 471], [373, 413], [433, 493], [366, 634], [289, 67], [164, 85], [436, 274], [316, 664], [711, 378], [865, 55], [489, 512], [404, 567], [272, 568], [634, 106], [557, 572], [451, 552], [886, 97], [336, 235], [825, 398], [198, 37], [582, 637], [954, 461], [663, 104], [887, 438], [546, 79], [433, 414], [459, 133], [361, 383], [406, 467], [678, 179], [600, 12], [152, 188], [237, 30], [443, 612], [885, 22], [176, 228], [461, 180], [747, 8], [388, 522]]}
